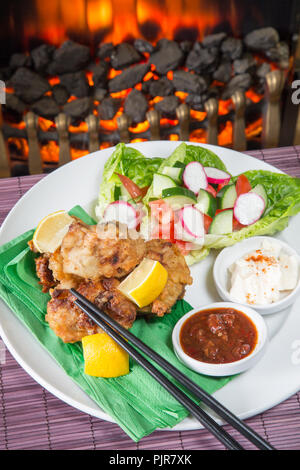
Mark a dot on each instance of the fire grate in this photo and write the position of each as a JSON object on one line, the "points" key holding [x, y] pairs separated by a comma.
{"points": [[61, 103]]}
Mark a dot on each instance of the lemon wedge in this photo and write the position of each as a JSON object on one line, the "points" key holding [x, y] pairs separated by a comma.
{"points": [[103, 357], [50, 231], [145, 282]]}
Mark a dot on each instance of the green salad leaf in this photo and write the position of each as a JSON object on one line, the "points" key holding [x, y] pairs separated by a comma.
{"points": [[195, 153], [129, 162], [283, 202]]}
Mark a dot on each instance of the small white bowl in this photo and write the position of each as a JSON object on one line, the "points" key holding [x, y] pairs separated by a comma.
{"points": [[230, 368], [231, 254]]}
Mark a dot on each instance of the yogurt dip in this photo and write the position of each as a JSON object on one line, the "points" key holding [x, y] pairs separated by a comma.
{"points": [[259, 277]]}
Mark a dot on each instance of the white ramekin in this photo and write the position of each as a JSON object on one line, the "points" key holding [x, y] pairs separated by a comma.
{"points": [[230, 368]]}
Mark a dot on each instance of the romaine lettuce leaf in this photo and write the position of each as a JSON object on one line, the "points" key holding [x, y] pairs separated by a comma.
{"points": [[129, 162], [195, 153], [196, 255], [283, 201]]}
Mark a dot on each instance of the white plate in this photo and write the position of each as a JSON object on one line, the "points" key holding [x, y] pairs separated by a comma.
{"points": [[272, 380]]}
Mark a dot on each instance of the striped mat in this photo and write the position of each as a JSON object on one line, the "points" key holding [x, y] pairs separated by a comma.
{"points": [[32, 418]]}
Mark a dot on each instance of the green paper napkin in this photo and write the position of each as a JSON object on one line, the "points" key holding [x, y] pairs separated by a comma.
{"points": [[135, 401]]}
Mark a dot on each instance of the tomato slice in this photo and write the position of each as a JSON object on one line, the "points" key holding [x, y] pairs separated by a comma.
{"points": [[161, 211], [236, 225], [134, 190], [207, 221], [162, 220], [221, 185], [242, 185], [211, 190]]}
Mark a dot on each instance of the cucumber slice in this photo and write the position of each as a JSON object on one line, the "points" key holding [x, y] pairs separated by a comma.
{"points": [[124, 194], [174, 173], [228, 197], [222, 223], [206, 203], [178, 197], [161, 182], [117, 193], [179, 164], [260, 190]]}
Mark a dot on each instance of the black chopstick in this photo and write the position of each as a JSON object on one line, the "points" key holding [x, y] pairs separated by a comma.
{"points": [[106, 322]]}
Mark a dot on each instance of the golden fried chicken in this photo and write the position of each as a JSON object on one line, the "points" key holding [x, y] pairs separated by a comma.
{"points": [[93, 252], [179, 276], [115, 304], [93, 259], [56, 265], [44, 273], [69, 322]]}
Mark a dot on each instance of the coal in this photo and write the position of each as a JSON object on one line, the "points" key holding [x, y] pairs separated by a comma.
{"points": [[135, 106], [186, 46], [100, 72], [213, 40], [100, 94], [196, 101], [76, 83], [5, 73], [128, 78], [167, 107], [60, 94], [28, 85], [188, 82], [20, 60], [167, 56], [239, 82], [262, 39], [280, 54], [46, 107], [13, 103], [105, 50], [202, 60], [161, 87], [108, 108], [262, 70], [69, 57], [124, 55], [259, 85], [223, 72], [41, 57], [246, 64], [78, 109], [232, 48], [141, 45]]}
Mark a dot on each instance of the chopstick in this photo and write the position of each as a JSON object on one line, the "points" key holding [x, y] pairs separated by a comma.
{"points": [[114, 329]]}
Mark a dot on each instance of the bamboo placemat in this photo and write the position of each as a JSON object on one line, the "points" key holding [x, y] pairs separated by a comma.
{"points": [[32, 418]]}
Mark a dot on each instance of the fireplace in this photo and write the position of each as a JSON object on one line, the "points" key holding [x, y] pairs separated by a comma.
{"points": [[83, 75]]}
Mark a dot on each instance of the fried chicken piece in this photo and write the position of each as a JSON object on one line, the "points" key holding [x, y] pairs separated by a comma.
{"points": [[99, 251], [71, 324], [115, 304], [178, 274], [68, 321], [44, 273], [65, 280]]}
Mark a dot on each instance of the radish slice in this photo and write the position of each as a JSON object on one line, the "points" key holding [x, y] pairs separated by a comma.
{"points": [[123, 212], [190, 226], [194, 177], [216, 176], [248, 208]]}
